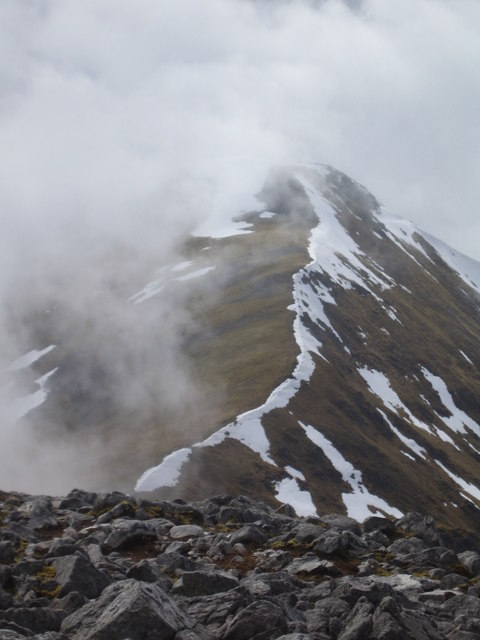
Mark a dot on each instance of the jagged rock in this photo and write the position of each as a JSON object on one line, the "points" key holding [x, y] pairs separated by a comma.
{"points": [[127, 609], [262, 584], [172, 562], [261, 620], [123, 509], [8, 634], [343, 523], [249, 533], [439, 556], [27, 567], [95, 554], [36, 620], [352, 589], [359, 622], [419, 625], [327, 616], [61, 547], [149, 570], [103, 502], [39, 513], [422, 526], [282, 579], [69, 603], [188, 634], [273, 560], [306, 533], [407, 546], [126, 532], [437, 595], [5, 575], [77, 499], [75, 573], [7, 552], [385, 627], [312, 566], [331, 542], [212, 611], [5, 599], [184, 531], [471, 561], [203, 583], [453, 580], [376, 523]]}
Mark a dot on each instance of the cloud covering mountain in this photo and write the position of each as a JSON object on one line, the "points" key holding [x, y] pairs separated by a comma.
{"points": [[125, 125]]}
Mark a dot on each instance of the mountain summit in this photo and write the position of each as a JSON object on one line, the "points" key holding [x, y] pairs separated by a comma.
{"points": [[335, 352]]}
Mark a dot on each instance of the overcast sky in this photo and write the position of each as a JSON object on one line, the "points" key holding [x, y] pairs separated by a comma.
{"points": [[117, 113], [125, 122]]}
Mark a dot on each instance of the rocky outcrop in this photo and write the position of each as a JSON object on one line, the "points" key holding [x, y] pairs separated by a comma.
{"points": [[110, 567]]}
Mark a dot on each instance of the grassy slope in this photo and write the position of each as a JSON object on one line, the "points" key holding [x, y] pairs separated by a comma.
{"points": [[438, 320], [239, 345]]}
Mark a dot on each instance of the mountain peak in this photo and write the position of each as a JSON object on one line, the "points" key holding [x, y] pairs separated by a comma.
{"points": [[334, 349]]}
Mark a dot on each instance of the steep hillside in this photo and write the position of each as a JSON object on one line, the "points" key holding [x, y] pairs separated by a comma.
{"points": [[331, 352]]}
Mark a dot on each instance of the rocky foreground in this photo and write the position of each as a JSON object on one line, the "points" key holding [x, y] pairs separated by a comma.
{"points": [[112, 567]]}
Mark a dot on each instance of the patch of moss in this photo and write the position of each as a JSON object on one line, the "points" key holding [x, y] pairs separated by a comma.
{"points": [[46, 583], [50, 593], [96, 513], [383, 571], [155, 511], [47, 573], [226, 527], [383, 556], [21, 546], [421, 574]]}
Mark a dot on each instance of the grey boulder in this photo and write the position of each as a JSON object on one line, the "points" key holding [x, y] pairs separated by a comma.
{"points": [[127, 609], [75, 573]]}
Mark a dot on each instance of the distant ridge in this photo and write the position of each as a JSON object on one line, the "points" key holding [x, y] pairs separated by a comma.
{"points": [[336, 350]]}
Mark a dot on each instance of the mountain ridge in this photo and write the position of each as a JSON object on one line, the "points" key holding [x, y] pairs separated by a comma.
{"points": [[418, 252], [369, 362]]}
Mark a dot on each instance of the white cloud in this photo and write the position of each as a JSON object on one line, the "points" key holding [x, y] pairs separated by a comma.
{"points": [[106, 102]]}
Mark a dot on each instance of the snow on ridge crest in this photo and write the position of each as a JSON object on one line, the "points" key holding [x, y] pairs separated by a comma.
{"points": [[331, 250], [335, 253]]}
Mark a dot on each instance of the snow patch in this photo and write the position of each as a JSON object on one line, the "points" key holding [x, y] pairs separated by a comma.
{"points": [[467, 268], [466, 358], [360, 503], [29, 358], [409, 442], [194, 274], [181, 266], [222, 228], [166, 474], [267, 215], [395, 226], [469, 488], [458, 421], [287, 491], [21, 406], [295, 473], [379, 385]]}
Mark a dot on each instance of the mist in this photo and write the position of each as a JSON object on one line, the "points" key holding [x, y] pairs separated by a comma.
{"points": [[124, 125]]}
